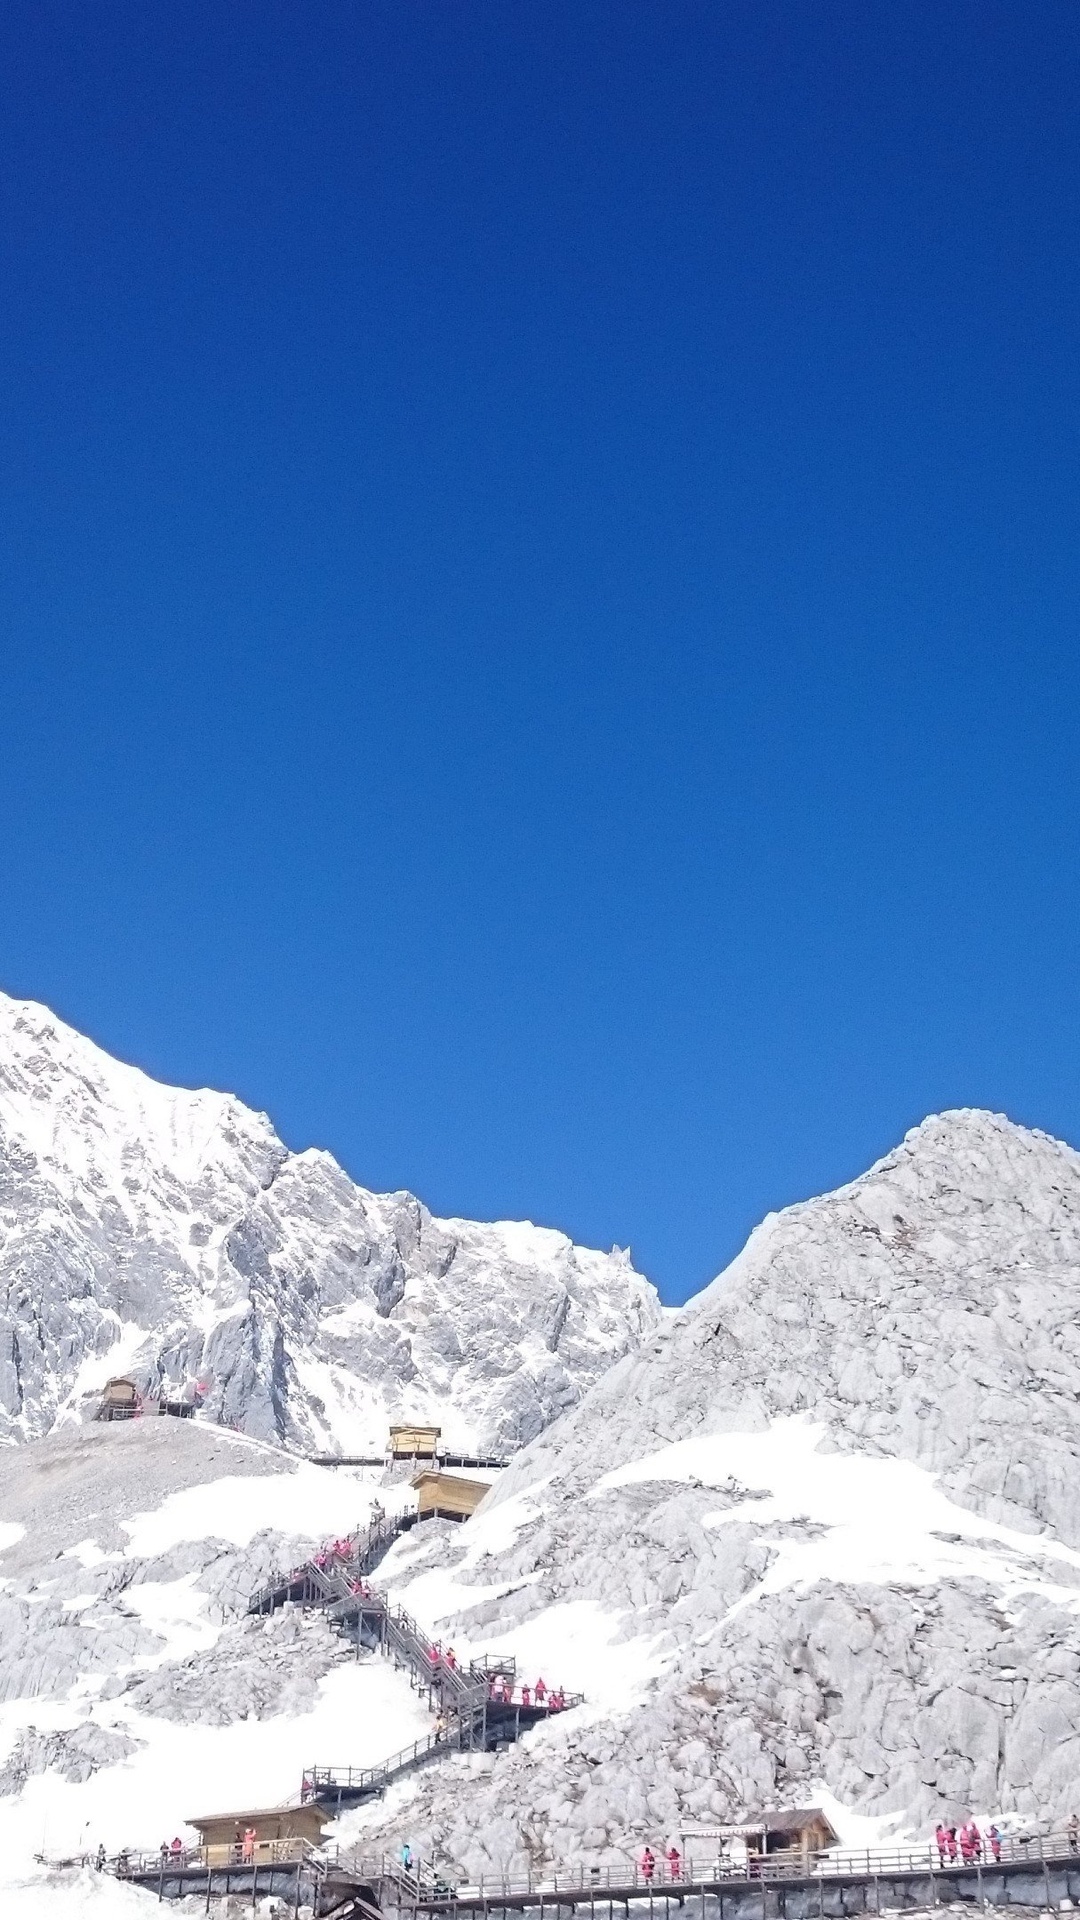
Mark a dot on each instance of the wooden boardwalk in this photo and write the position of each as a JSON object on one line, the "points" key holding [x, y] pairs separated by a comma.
{"points": [[1035, 1874], [1031, 1875]]}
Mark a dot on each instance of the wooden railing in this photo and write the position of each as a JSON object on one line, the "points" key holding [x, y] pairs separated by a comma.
{"points": [[131, 1865]]}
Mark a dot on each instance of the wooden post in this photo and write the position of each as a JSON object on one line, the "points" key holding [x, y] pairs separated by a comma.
{"points": [[254, 1885], [296, 1895], [161, 1878]]}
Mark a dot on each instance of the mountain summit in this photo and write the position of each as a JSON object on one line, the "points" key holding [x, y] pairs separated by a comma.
{"points": [[171, 1236], [821, 1535]]}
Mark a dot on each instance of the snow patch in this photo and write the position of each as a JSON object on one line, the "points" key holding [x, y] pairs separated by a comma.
{"points": [[176, 1610], [309, 1501], [886, 1519]]}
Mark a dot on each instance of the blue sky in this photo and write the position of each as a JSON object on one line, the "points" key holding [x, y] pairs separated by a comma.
{"points": [[538, 581]]}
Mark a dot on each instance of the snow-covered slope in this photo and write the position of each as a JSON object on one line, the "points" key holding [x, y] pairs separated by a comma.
{"points": [[822, 1535], [134, 1692], [169, 1234], [818, 1540]]}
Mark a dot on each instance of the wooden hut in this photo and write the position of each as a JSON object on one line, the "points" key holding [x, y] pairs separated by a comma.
{"points": [[281, 1833], [414, 1443], [447, 1496], [797, 1832], [804, 1830], [121, 1400]]}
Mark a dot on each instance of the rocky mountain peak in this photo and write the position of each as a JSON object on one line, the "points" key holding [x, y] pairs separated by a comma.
{"points": [[169, 1234], [823, 1529]]}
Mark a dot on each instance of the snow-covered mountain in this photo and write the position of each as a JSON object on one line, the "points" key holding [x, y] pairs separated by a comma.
{"points": [[818, 1540], [820, 1537], [170, 1235]]}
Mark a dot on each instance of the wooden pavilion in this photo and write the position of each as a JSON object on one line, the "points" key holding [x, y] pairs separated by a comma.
{"points": [[790, 1830], [414, 1443], [281, 1833], [121, 1400], [447, 1496]]}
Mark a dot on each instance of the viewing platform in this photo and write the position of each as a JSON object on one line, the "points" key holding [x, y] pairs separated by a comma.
{"points": [[413, 1446], [1036, 1873], [292, 1874]]}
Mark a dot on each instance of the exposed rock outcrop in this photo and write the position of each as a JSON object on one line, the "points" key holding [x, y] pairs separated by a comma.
{"points": [[169, 1235]]}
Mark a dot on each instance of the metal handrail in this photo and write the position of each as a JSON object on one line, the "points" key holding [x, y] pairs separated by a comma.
{"points": [[373, 1779], [840, 1863], [366, 1542]]}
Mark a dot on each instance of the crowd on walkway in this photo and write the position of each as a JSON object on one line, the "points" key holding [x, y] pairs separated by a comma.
{"points": [[243, 1850], [965, 1845], [549, 1699], [503, 1690], [340, 1552], [968, 1845]]}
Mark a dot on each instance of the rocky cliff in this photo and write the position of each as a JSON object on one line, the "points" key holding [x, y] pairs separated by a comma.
{"points": [[822, 1534], [169, 1235]]}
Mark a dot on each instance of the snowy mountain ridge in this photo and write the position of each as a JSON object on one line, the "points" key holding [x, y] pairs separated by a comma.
{"points": [[813, 1540], [170, 1234]]}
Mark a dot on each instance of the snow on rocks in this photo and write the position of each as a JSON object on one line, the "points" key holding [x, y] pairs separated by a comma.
{"points": [[816, 1540], [169, 1234], [134, 1689], [837, 1499]]}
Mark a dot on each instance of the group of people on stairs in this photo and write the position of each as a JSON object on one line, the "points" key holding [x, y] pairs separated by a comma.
{"points": [[550, 1699]]}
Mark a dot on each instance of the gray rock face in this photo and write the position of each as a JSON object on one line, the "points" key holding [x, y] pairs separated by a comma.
{"points": [[74, 1754], [169, 1235], [841, 1495]]}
